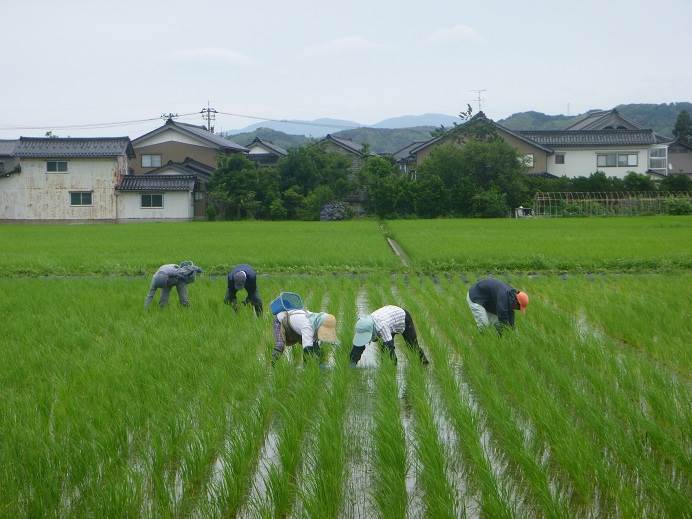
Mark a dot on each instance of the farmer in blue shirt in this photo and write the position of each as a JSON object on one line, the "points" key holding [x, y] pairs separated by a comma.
{"points": [[243, 276], [493, 302]]}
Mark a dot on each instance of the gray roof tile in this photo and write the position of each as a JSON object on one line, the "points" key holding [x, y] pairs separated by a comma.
{"points": [[276, 149], [200, 132], [150, 182], [7, 147], [78, 147], [351, 146], [578, 138]]}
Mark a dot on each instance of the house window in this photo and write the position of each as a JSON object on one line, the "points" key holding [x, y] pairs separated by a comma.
{"points": [[619, 160], [80, 197], [152, 201], [627, 159], [658, 157], [151, 161], [527, 160], [559, 158], [56, 166]]}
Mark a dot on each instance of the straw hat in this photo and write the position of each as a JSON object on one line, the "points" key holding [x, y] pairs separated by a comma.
{"points": [[327, 332]]}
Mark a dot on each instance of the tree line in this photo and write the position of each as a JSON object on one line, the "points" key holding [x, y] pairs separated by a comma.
{"points": [[483, 178]]}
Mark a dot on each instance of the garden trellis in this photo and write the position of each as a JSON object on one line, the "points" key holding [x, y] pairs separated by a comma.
{"points": [[605, 203]]}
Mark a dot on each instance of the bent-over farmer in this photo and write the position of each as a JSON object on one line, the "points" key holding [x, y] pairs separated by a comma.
{"points": [[169, 276], [493, 302], [384, 324], [243, 276], [304, 327]]}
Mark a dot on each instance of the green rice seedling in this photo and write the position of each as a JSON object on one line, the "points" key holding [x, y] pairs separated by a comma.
{"points": [[390, 462], [216, 246], [661, 242], [466, 422], [438, 498]]}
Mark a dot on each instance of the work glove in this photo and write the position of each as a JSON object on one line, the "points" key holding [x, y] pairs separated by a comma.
{"points": [[389, 345], [311, 352], [356, 353]]}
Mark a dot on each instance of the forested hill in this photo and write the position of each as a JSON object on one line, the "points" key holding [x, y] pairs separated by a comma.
{"points": [[659, 117], [379, 140], [282, 139]]}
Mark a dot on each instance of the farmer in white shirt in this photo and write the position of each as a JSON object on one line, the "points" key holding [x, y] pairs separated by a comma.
{"points": [[384, 324], [169, 276], [304, 327]]}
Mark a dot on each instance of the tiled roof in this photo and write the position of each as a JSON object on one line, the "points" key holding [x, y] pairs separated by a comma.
{"points": [[579, 138], [602, 119], [405, 152], [345, 143], [187, 167], [276, 149], [200, 132], [74, 147], [7, 147], [150, 182]]}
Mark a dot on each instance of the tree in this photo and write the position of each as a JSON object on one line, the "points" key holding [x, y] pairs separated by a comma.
{"points": [[638, 182], [676, 183], [477, 166], [233, 186], [683, 126]]}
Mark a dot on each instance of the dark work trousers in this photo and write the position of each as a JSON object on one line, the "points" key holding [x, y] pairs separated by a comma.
{"points": [[256, 302], [410, 338]]}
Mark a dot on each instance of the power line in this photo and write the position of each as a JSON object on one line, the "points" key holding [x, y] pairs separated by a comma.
{"points": [[86, 126], [208, 114], [290, 121]]}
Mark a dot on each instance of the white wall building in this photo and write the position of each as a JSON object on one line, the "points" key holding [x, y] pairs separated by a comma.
{"points": [[163, 196], [64, 179]]}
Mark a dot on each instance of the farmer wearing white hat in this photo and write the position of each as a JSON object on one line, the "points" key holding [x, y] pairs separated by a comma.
{"points": [[384, 324], [243, 276], [169, 276], [304, 327]]}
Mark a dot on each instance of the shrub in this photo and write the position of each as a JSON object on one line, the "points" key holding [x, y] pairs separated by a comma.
{"points": [[678, 206], [211, 213]]}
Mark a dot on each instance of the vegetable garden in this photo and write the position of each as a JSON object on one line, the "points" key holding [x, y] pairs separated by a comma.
{"points": [[584, 411]]}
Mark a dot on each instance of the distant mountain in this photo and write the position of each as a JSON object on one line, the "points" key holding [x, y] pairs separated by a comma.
{"points": [[276, 137], [659, 117], [314, 128], [411, 121], [321, 127]]}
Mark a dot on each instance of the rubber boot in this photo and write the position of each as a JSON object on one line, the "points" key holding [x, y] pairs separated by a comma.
{"points": [[356, 353]]}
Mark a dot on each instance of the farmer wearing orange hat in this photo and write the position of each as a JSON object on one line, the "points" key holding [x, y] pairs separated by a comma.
{"points": [[493, 302]]}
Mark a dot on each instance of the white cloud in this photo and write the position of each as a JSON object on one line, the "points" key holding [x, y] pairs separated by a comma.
{"points": [[455, 34], [230, 56], [346, 44]]}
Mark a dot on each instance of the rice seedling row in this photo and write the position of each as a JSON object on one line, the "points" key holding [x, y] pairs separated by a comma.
{"points": [[112, 411]]}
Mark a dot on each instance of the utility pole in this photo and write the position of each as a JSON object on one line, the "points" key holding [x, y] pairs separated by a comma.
{"points": [[479, 98], [209, 115]]}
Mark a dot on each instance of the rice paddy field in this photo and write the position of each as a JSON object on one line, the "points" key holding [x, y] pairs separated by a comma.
{"points": [[585, 410]]}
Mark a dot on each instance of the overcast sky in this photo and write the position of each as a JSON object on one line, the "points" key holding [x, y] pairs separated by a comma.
{"points": [[86, 61]]}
